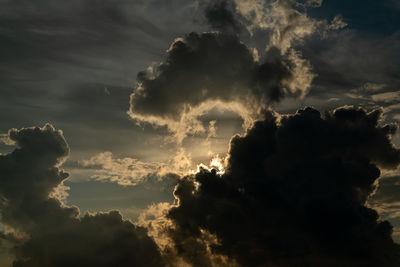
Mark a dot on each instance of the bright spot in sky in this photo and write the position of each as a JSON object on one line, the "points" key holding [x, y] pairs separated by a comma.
{"points": [[216, 163]]}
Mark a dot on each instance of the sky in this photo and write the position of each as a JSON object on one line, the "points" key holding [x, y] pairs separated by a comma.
{"points": [[199, 133]]}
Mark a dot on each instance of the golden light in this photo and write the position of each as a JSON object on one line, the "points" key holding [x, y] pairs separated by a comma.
{"points": [[216, 163]]}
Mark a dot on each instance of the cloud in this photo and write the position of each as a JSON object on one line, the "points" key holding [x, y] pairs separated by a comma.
{"points": [[47, 233], [284, 21], [386, 200], [350, 60], [369, 91], [251, 61], [372, 87], [376, 94], [154, 219], [337, 23], [222, 16], [207, 66], [77, 48], [124, 171], [356, 68], [293, 194], [281, 22], [388, 97], [5, 140], [202, 70]]}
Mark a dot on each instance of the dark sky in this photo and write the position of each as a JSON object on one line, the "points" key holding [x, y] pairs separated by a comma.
{"points": [[146, 91]]}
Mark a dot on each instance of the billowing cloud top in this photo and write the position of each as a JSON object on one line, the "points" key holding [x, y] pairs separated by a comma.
{"points": [[39, 149], [294, 194], [209, 66], [202, 69], [295, 187]]}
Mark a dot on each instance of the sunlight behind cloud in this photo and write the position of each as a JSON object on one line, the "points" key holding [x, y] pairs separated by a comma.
{"points": [[216, 164]]}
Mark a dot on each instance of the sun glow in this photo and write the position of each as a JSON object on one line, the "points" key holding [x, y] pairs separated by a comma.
{"points": [[216, 163]]}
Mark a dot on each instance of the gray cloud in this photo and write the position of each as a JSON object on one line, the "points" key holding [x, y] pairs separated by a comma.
{"points": [[212, 67], [253, 60], [208, 66], [222, 16], [57, 58], [348, 60], [83, 55], [47, 233], [387, 199]]}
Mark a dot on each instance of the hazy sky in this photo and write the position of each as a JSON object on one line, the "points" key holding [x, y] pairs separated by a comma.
{"points": [[145, 91]]}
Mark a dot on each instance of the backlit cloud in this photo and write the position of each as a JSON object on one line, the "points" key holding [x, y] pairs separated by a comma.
{"points": [[294, 194], [44, 232]]}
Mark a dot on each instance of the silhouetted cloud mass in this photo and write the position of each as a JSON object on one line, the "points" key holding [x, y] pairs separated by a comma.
{"points": [[247, 63], [47, 233], [298, 190], [205, 70], [209, 66], [294, 194]]}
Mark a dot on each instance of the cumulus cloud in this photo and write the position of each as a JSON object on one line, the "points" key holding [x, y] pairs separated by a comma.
{"points": [[207, 66], [43, 231], [202, 69], [294, 194]]}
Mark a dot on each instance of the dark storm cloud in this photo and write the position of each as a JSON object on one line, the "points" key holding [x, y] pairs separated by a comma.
{"points": [[294, 194], [211, 66], [47, 233]]}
